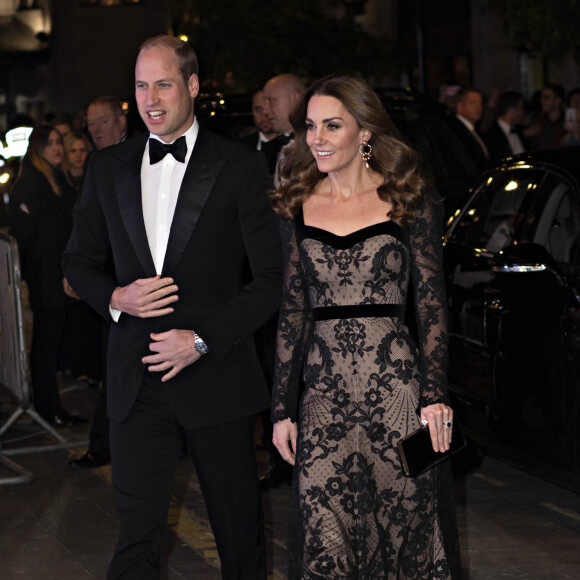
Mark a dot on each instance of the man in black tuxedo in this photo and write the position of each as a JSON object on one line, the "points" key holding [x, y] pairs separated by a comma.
{"points": [[183, 214], [503, 138]]}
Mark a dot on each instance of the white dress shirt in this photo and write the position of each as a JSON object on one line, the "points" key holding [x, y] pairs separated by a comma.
{"points": [[261, 140], [160, 185], [513, 138]]}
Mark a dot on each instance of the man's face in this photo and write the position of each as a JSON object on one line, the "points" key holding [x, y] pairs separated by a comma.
{"points": [[279, 102], [164, 101], [550, 101], [471, 107], [260, 119], [105, 126]]}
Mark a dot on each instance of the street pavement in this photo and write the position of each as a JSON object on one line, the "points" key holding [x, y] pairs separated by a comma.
{"points": [[63, 526]]}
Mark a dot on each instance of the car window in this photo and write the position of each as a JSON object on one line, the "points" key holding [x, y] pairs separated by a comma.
{"points": [[498, 213], [559, 222]]}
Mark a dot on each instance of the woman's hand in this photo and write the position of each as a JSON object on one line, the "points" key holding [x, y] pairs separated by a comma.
{"points": [[439, 417], [284, 438]]}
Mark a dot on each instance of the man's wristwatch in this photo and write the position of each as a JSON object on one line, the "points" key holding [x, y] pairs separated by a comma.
{"points": [[200, 346]]}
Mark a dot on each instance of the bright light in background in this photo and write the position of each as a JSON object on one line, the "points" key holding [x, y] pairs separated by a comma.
{"points": [[16, 142], [4, 178], [184, 38], [511, 186]]}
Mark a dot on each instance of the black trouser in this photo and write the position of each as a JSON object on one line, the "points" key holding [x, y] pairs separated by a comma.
{"points": [[99, 435], [47, 333], [145, 450]]}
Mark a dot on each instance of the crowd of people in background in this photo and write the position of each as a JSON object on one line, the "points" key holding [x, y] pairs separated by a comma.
{"points": [[458, 141], [466, 134]]}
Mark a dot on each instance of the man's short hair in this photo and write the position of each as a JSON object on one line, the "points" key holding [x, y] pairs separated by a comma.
{"points": [[465, 90], [184, 52], [506, 101], [112, 102]]}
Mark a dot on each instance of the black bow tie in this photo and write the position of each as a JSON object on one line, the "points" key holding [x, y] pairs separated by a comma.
{"points": [[284, 138], [158, 150]]}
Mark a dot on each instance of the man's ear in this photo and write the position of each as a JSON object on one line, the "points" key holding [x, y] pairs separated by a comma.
{"points": [[193, 85]]}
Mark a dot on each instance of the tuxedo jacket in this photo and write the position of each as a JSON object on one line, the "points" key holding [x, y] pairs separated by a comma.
{"points": [[470, 143], [223, 253], [497, 142]]}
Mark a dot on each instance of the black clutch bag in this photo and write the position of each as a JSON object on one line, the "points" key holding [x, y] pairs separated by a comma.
{"points": [[416, 450]]}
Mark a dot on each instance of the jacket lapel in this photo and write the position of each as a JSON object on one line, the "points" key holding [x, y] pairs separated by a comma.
{"points": [[200, 176], [128, 183]]}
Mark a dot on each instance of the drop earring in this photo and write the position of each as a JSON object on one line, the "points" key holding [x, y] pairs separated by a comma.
{"points": [[366, 152]]}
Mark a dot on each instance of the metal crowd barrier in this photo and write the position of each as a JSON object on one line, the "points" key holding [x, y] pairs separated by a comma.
{"points": [[14, 375]]}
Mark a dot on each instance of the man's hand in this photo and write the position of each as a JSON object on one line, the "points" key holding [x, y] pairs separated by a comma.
{"points": [[68, 289], [174, 349], [146, 298], [284, 438]]}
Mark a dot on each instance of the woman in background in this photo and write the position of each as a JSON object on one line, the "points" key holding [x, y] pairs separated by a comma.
{"points": [[77, 147], [41, 219], [82, 349], [359, 225]]}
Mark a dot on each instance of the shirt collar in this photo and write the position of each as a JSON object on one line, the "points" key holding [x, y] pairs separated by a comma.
{"points": [[505, 127], [466, 122]]}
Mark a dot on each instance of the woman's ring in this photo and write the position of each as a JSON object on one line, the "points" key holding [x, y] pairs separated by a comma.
{"points": [[447, 424]]}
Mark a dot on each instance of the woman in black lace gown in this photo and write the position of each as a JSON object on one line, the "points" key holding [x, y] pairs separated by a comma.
{"points": [[360, 230]]}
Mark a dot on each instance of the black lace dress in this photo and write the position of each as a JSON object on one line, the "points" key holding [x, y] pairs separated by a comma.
{"points": [[354, 515]]}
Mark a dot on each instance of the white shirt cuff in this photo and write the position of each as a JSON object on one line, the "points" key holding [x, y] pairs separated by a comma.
{"points": [[115, 314]]}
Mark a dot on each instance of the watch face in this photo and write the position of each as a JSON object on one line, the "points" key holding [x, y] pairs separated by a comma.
{"points": [[200, 346]]}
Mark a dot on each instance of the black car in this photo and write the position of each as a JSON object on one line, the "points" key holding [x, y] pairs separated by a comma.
{"points": [[512, 265]]}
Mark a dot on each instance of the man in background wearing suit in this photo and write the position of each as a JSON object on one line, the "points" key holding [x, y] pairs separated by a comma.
{"points": [[183, 213], [265, 132], [502, 139], [469, 110], [282, 94]]}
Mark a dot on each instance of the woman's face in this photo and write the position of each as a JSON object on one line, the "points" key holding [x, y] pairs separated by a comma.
{"points": [[333, 134], [77, 154], [53, 151]]}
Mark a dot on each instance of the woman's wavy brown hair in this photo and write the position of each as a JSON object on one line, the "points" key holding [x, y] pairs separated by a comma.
{"points": [[394, 159], [37, 141]]}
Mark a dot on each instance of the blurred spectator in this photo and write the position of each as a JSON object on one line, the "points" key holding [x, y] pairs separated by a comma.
{"points": [[281, 95], [41, 222], [265, 131], [572, 127], [76, 148], [82, 341], [573, 98], [503, 138], [547, 130], [106, 122], [63, 124], [469, 110], [107, 125]]}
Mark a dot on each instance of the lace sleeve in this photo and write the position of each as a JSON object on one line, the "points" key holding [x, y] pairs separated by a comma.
{"points": [[294, 330], [430, 303]]}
